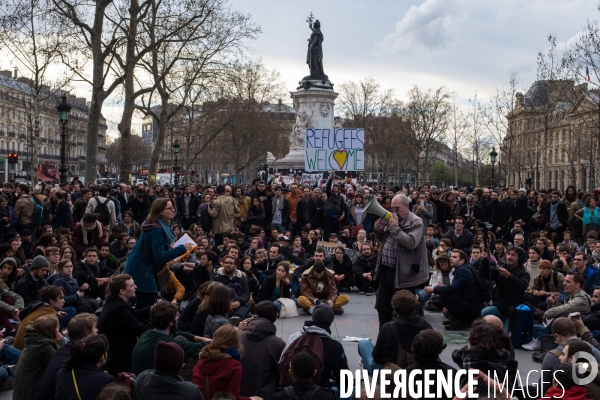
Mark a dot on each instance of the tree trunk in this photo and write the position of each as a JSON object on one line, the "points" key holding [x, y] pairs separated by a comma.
{"points": [[160, 137], [36, 142]]}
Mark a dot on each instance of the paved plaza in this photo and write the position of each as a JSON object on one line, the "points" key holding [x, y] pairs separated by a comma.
{"points": [[360, 319]]}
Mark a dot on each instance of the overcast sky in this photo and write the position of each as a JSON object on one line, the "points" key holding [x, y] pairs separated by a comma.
{"points": [[465, 45]]}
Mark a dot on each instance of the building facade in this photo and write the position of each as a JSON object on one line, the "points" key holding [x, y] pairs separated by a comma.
{"points": [[553, 137], [16, 131]]}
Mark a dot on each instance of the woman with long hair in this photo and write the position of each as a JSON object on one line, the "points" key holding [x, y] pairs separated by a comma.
{"points": [[357, 215], [219, 368], [152, 251], [277, 285], [82, 376], [298, 250], [45, 241], [538, 221], [219, 307], [64, 278], [41, 341], [589, 216], [68, 253], [247, 267], [342, 268]]}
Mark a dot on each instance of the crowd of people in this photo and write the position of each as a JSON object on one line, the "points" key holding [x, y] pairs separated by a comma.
{"points": [[100, 278]]}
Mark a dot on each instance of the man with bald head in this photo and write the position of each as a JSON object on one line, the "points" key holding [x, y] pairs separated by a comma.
{"points": [[402, 263]]}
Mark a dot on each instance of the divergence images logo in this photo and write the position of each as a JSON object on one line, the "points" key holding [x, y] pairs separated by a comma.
{"points": [[581, 373]]}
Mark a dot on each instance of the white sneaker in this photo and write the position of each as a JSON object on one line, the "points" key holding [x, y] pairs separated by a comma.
{"points": [[535, 344]]}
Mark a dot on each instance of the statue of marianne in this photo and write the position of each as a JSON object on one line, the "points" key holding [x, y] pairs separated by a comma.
{"points": [[314, 56]]}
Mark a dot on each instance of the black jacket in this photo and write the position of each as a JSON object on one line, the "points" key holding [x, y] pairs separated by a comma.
{"points": [[345, 267], [90, 381], [29, 289], [562, 213], [306, 211], [260, 362], [86, 273], [243, 292], [161, 385], [495, 213], [592, 320], [200, 275], [386, 347], [121, 326], [508, 292], [193, 206], [463, 242], [63, 214], [79, 209], [301, 388], [268, 288], [364, 265], [48, 387]]}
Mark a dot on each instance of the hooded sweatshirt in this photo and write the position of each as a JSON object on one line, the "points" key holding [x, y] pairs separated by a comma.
{"points": [[222, 374], [260, 361]]}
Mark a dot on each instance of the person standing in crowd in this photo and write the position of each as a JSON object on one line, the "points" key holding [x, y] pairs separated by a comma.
{"points": [[243, 203], [24, 207], [335, 208], [152, 251], [403, 261], [187, 205], [222, 211]]}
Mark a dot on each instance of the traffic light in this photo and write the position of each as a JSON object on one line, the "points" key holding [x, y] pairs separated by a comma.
{"points": [[16, 158], [10, 158]]}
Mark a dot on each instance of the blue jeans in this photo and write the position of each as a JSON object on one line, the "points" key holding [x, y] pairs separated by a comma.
{"points": [[243, 311], [70, 312], [493, 310], [423, 297], [9, 355], [365, 350]]}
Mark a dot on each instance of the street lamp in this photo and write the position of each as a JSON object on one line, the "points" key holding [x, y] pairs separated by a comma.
{"points": [[176, 168], [441, 177], [493, 155], [63, 117]]}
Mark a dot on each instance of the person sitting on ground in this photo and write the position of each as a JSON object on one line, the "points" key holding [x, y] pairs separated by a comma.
{"points": [[89, 232], [276, 286], [563, 384], [563, 331], [581, 348], [219, 307], [364, 269], [318, 286], [532, 265], [511, 282], [334, 357], [230, 276], [90, 271], [82, 376], [219, 368], [163, 317], [41, 343], [121, 324], [10, 305], [74, 295], [174, 291], [163, 382], [592, 320], [394, 336], [426, 348], [51, 302], [205, 271], [80, 327], [30, 285], [589, 272], [442, 275], [564, 262], [196, 312], [342, 268], [547, 283], [488, 349], [262, 350], [302, 371]]}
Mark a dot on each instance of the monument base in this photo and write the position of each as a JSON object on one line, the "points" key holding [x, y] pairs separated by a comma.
{"points": [[314, 106]]}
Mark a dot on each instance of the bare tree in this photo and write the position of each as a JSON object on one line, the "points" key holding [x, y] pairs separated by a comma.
{"points": [[428, 113], [31, 35], [455, 136]]}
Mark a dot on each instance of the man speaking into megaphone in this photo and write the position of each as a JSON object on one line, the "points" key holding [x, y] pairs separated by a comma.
{"points": [[402, 261]]}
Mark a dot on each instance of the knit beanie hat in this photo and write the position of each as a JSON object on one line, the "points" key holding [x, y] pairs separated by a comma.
{"points": [[168, 357], [323, 313], [39, 262], [545, 264]]}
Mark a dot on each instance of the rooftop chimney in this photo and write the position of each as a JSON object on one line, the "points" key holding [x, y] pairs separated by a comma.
{"points": [[15, 73], [280, 104]]}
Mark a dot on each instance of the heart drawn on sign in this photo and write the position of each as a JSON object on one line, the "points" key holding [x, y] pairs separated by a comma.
{"points": [[340, 157]]}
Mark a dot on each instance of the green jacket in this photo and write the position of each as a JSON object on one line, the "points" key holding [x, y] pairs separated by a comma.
{"points": [[579, 301], [33, 362], [143, 352]]}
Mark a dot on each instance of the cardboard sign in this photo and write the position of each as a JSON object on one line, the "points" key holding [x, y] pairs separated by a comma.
{"points": [[353, 254], [329, 247], [341, 149]]}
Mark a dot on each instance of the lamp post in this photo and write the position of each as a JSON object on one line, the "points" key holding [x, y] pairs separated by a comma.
{"points": [[176, 168], [441, 177], [493, 155], [63, 116]]}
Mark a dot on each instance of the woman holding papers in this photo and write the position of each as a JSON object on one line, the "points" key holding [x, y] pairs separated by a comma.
{"points": [[154, 248]]}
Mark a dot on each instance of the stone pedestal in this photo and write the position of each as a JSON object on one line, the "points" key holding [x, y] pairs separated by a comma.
{"points": [[314, 106]]}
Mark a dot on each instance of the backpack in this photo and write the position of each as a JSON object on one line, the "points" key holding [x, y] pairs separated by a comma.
{"points": [[484, 287], [127, 379], [38, 213], [102, 211], [403, 359], [206, 221], [307, 343]]}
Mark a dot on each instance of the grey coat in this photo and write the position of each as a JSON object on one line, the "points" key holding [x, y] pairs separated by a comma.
{"points": [[411, 249]]}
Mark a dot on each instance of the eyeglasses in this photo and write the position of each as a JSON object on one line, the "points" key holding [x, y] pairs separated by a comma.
{"points": [[170, 208]]}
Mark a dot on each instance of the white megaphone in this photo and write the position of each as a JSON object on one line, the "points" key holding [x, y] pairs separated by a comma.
{"points": [[373, 207]]}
